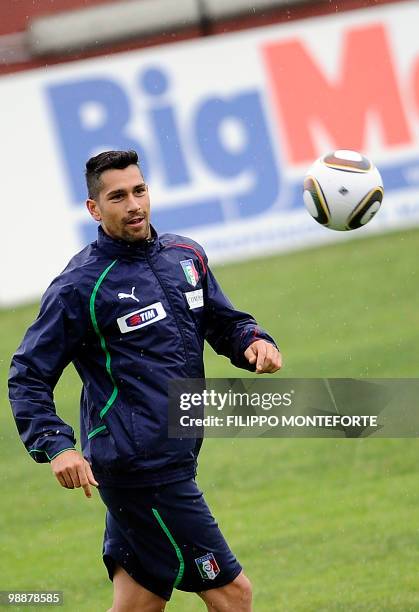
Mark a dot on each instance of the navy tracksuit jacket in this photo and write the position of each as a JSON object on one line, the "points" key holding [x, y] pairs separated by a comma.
{"points": [[126, 344]]}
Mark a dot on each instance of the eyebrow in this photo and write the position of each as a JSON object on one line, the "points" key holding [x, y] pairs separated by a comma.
{"points": [[123, 191]]}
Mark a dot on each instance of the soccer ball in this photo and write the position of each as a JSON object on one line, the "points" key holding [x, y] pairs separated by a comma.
{"points": [[343, 190]]}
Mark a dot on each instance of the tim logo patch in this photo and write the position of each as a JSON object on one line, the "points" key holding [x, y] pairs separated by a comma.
{"points": [[190, 272], [207, 566], [141, 318]]}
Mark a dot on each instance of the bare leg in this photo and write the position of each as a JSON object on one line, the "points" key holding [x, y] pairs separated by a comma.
{"points": [[129, 596], [233, 597]]}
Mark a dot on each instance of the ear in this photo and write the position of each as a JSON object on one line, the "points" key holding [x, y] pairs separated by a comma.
{"points": [[93, 209]]}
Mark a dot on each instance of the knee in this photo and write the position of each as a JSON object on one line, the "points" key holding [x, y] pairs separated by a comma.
{"points": [[233, 597], [241, 593], [245, 587]]}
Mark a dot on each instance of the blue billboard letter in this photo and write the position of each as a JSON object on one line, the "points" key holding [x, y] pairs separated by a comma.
{"points": [[90, 116], [251, 154], [155, 84]]}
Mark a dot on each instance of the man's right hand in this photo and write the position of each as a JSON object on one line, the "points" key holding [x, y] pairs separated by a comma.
{"points": [[73, 471]]}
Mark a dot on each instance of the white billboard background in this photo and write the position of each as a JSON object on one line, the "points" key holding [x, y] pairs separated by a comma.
{"points": [[225, 175]]}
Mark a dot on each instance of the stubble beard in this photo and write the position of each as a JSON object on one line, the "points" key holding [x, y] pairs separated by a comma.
{"points": [[131, 236]]}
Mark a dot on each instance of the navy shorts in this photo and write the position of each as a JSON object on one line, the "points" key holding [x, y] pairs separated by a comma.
{"points": [[165, 537]]}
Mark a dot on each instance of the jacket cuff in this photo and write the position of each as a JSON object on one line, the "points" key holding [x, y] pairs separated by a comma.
{"points": [[50, 446]]}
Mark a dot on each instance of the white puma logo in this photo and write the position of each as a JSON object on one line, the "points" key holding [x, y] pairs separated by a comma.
{"points": [[121, 296]]}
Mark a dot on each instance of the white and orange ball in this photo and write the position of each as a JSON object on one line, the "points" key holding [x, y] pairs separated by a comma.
{"points": [[343, 190]]}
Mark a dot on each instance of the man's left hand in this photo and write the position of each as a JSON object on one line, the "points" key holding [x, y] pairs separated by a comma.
{"points": [[265, 355]]}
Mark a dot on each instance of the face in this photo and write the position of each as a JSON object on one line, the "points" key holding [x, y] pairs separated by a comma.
{"points": [[123, 204]]}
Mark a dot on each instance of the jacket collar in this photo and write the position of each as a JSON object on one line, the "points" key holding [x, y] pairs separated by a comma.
{"points": [[128, 250]]}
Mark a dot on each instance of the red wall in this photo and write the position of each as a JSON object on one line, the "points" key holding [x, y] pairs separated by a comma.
{"points": [[14, 17], [15, 14]]}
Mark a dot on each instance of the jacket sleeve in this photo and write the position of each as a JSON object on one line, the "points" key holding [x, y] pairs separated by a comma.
{"points": [[47, 348], [229, 331]]}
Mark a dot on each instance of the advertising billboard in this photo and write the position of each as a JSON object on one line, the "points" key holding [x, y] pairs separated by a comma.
{"points": [[225, 128]]}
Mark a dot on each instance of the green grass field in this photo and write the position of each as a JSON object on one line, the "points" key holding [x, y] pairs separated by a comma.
{"points": [[319, 525]]}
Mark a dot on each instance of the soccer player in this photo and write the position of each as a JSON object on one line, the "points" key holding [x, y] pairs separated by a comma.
{"points": [[132, 311]]}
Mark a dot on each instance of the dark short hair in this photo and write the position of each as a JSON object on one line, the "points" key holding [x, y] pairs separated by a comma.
{"points": [[107, 160]]}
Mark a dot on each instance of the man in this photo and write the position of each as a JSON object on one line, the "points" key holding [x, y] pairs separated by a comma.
{"points": [[131, 311]]}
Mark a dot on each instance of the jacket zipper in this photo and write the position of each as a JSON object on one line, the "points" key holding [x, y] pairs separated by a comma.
{"points": [[172, 309]]}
